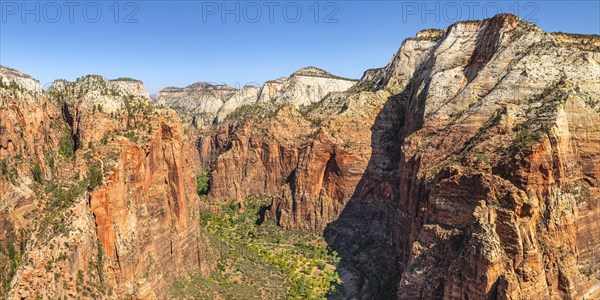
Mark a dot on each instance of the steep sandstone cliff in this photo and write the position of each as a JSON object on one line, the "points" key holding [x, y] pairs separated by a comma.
{"points": [[467, 167], [205, 104], [198, 103], [97, 190]]}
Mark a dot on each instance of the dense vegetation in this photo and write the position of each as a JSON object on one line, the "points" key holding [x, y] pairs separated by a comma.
{"points": [[255, 258], [257, 111], [203, 182]]}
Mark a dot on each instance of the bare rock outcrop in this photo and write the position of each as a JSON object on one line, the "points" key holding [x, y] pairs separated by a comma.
{"points": [[247, 95], [97, 190], [305, 86], [13, 77], [198, 103], [95, 92], [203, 104], [469, 165]]}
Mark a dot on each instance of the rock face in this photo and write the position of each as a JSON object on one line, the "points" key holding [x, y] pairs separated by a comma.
{"points": [[147, 211], [305, 86], [204, 104], [198, 103], [246, 95], [468, 167], [24, 81], [95, 92], [496, 150], [97, 192]]}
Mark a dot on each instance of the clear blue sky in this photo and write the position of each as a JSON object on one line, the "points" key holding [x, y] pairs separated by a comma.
{"points": [[176, 43]]}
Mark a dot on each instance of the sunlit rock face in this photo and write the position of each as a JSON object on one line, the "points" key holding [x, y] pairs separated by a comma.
{"points": [[204, 104], [9, 76], [96, 191], [469, 165], [305, 86]]}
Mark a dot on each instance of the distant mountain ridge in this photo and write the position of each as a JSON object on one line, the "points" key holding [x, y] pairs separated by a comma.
{"points": [[205, 103]]}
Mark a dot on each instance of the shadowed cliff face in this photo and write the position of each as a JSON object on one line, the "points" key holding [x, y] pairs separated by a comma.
{"points": [[368, 233], [487, 159], [466, 168]]}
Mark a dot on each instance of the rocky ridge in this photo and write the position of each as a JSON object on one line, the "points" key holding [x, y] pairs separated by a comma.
{"points": [[204, 104], [95, 92], [95, 192], [19, 80], [467, 166], [304, 87]]}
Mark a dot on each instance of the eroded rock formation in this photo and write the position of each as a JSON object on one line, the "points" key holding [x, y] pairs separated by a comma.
{"points": [[466, 168], [205, 104], [97, 190]]}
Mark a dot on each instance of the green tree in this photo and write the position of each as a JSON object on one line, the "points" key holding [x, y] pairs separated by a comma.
{"points": [[67, 145], [37, 172], [203, 182]]}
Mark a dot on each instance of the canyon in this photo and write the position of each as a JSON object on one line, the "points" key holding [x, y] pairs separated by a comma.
{"points": [[466, 168], [94, 197]]}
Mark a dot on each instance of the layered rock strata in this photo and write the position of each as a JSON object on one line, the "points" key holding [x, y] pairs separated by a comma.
{"points": [[97, 190], [467, 167]]}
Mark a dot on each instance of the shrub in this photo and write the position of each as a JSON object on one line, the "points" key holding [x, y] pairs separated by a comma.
{"points": [[291, 255], [3, 167], [203, 182], [11, 174], [132, 136], [104, 139], [100, 262], [37, 172], [62, 198], [67, 145], [50, 159], [253, 111], [94, 176]]}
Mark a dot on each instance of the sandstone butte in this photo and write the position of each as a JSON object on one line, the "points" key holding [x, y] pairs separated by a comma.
{"points": [[467, 168]]}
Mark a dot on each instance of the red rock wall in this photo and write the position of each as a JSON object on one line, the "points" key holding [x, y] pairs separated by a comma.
{"points": [[477, 179], [126, 238]]}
